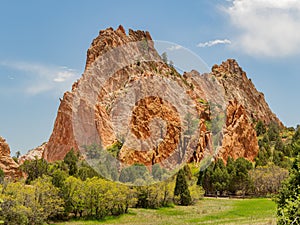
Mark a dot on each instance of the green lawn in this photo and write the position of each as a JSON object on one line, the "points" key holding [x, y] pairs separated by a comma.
{"points": [[207, 211]]}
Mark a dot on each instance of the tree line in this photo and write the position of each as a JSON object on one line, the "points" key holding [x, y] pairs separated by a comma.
{"points": [[72, 189]]}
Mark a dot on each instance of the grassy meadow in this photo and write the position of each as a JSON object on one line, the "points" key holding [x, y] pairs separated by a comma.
{"points": [[207, 211]]}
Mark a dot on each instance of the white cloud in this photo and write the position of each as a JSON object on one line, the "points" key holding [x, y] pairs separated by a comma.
{"points": [[38, 78], [174, 47], [214, 42], [266, 27], [62, 76]]}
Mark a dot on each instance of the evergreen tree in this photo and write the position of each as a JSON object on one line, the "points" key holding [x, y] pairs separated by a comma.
{"points": [[273, 131], [35, 169], [260, 128], [296, 142], [1, 176], [181, 189], [240, 180], [71, 160], [220, 177]]}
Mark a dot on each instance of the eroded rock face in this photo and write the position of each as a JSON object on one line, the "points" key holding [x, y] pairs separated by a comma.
{"points": [[149, 74], [238, 87], [243, 105], [240, 138], [7, 164], [62, 139]]}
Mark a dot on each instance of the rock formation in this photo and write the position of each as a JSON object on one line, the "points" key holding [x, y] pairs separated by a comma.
{"points": [[244, 104], [36, 153], [238, 86], [7, 164]]}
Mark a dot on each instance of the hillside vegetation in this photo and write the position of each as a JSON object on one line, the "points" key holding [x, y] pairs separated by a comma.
{"points": [[71, 189]]}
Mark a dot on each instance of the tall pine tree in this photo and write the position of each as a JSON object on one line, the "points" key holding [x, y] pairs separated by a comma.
{"points": [[181, 189]]}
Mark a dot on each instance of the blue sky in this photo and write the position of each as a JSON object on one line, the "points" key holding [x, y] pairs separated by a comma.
{"points": [[43, 48]]}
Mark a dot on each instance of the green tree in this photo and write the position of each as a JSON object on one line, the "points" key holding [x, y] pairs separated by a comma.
{"points": [[71, 159], [134, 173], [31, 204], [273, 131], [35, 169], [58, 178], [74, 196], [240, 179], [85, 171], [49, 204], [220, 177], [288, 202], [296, 142], [181, 189], [2, 175], [262, 157], [268, 179], [205, 179], [260, 128]]}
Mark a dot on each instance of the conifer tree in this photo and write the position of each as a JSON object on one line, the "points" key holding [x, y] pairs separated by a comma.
{"points": [[181, 189]]}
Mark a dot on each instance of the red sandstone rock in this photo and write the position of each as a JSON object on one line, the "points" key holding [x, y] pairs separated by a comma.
{"points": [[242, 102], [7, 164]]}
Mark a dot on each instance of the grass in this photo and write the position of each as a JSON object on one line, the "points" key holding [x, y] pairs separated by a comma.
{"points": [[207, 211]]}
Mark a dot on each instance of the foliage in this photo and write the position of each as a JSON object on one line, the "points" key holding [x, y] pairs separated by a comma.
{"points": [[104, 162], [85, 171], [260, 128], [276, 146], [296, 143], [2, 175], [239, 178], [288, 202], [35, 169], [96, 197], [268, 179], [71, 160], [221, 180], [133, 174], [273, 131], [181, 191], [30, 204], [155, 195], [115, 148], [59, 177]]}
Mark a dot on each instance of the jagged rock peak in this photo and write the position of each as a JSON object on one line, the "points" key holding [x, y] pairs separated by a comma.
{"points": [[244, 103], [229, 67], [110, 38], [238, 87], [7, 164]]}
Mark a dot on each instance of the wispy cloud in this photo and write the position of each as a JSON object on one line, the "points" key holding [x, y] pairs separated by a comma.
{"points": [[38, 78], [62, 76], [174, 47], [268, 28], [213, 43]]}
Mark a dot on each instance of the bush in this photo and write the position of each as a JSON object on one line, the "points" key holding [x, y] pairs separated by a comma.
{"points": [[288, 202], [31, 204]]}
